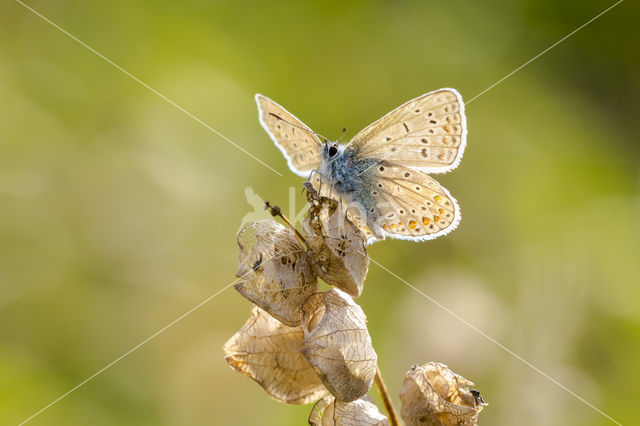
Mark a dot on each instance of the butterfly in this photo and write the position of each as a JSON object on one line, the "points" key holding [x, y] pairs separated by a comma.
{"points": [[382, 176]]}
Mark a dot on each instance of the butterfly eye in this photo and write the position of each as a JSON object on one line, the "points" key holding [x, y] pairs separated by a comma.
{"points": [[333, 151]]}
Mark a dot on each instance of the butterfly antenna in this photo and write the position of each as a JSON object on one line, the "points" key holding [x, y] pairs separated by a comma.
{"points": [[299, 127], [344, 130]]}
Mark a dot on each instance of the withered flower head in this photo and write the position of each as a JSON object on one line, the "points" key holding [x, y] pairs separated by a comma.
{"points": [[338, 246], [337, 344], [434, 395], [276, 270], [269, 352], [361, 412]]}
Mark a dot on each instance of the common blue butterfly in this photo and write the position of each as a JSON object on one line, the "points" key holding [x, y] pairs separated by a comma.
{"points": [[381, 175]]}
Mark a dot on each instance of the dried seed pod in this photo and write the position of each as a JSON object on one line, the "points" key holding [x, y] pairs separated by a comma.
{"points": [[362, 411], [337, 344], [338, 246], [276, 270], [434, 395], [269, 352]]}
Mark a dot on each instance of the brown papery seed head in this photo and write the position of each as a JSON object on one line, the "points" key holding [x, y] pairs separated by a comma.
{"points": [[269, 352], [337, 344], [361, 412], [275, 269], [338, 246], [434, 395]]}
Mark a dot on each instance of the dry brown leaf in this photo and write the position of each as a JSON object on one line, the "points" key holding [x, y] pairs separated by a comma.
{"points": [[434, 395], [338, 246], [269, 352], [362, 411], [275, 269], [337, 344]]}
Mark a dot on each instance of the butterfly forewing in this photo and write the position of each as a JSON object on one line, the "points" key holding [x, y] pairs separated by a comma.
{"points": [[297, 142], [412, 205], [427, 133]]}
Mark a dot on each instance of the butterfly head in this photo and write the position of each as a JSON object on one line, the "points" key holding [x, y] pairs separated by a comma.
{"points": [[331, 151]]}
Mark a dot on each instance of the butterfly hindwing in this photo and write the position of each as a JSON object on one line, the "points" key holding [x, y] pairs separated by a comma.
{"points": [[405, 204], [298, 143], [409, 204], [427, 133]]}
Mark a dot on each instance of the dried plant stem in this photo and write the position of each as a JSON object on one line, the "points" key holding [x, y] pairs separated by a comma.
{"points": [[386, 399], [275, 211]]}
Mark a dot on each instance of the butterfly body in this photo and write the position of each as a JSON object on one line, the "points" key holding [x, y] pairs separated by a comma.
{"points": [[351, 178], [380, 176]]}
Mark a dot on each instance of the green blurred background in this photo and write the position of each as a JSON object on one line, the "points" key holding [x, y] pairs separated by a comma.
{"points": [[118, 212]]}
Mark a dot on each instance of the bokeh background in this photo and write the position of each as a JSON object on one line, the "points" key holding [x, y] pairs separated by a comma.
{"points": [[118, 212]]}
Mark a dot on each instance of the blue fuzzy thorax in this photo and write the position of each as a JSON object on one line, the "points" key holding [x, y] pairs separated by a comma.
{"points": [[340, 169], [349, 175]]}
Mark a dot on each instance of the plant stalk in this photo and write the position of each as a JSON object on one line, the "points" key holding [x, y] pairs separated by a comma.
{"points": [[392, 414], [275, 211]]}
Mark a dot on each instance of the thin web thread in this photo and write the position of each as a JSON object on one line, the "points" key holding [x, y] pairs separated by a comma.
{"points": [[503, 347], [136, 347], [133, 77], [139, 345], [543, 52]]}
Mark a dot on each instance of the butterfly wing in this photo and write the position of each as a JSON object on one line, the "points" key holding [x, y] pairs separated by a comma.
{"points": [[404, 203], [427, 133], [411, 205], [300, 146]]}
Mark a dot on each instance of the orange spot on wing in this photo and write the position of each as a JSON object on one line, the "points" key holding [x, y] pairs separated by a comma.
{"points": [[394, 226], [436, 218], [412, 224], [441, 211], [425, 221], [437, 198]]}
